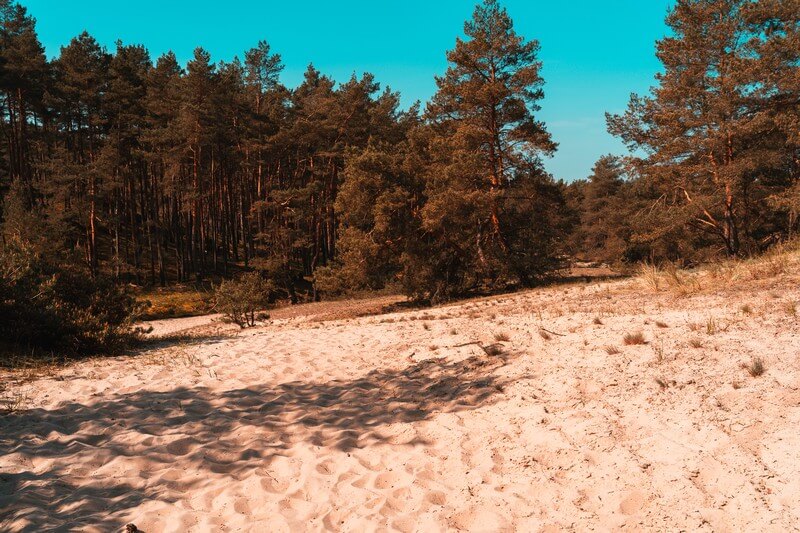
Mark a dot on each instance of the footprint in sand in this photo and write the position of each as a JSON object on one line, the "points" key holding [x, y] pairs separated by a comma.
{"points": [[436, 497], [387, 480], [632, 503]]}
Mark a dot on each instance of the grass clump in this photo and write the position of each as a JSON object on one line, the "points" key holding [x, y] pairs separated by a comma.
{"points": [[756, 367], [502, 336], [633, 339]]}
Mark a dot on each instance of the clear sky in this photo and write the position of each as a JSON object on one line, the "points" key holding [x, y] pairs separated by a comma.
{"points": [[595, 53]]}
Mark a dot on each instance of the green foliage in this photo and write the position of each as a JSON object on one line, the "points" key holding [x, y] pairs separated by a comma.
{"points": [[492, 216], [717, 132], [240, 300], [57, 307]]}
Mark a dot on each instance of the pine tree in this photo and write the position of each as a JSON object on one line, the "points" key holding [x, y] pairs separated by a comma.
{"points": [[24, 77], [710, 128], [485, 178]]}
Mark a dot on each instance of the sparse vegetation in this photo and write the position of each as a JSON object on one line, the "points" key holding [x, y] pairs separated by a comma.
{"points": [[240, 300], [502, 336], [174, 302], [632, 339], [612, 350], [756, 367], [695, 343], [658, 349]]}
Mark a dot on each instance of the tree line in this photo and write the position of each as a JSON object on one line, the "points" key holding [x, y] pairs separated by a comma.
{"points": [[716, 164], [155, 173]]}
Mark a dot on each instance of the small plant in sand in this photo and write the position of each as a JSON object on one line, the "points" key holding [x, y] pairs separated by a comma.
{"points": [[240, 300], [650, 276], [502, 336], [661, 324], [15, 402], [711, 326], [658, 349], [632, 339], [695, 343], [597, 321], [746, 309], [791, 308], [612, 350], [756, 367]]}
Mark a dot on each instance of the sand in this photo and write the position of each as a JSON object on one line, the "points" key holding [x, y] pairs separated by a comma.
{"points": [[403, 422]]}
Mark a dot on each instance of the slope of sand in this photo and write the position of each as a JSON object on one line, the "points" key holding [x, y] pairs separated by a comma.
{"points": [[402, 422]]}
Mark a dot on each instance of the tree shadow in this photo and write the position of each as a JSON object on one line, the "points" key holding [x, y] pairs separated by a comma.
{"points": [[168, 340], [229, 433]]}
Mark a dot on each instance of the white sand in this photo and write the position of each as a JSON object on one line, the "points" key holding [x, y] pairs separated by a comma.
{"points": [[385, 423]]}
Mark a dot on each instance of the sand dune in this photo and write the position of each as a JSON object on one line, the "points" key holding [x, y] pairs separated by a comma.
{"points": [[402, 422]]}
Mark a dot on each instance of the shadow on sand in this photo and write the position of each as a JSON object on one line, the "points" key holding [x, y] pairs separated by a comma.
{"points": [[228, 433]]}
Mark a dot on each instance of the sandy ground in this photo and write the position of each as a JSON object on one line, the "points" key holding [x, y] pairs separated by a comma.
{"points": [[404, 422]]}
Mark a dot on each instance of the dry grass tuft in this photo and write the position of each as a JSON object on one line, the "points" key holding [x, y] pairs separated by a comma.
{"points": [[502, 336], [756, 367], [612, 350], [633, 339], [658, 349], [669, 277], [695, 343]]}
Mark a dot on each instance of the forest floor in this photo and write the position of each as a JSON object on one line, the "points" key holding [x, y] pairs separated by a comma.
{"points": [[539, 411]]}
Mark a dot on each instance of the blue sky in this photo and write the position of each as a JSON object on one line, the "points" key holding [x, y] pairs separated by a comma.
{"points": [[595, 53]]}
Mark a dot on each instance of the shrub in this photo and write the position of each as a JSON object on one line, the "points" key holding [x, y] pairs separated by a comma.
{"points": [[240, 300], [58, 307]]}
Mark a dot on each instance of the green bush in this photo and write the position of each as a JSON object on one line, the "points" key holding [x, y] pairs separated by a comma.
{"points": [[58, 307], [240, 300]]}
